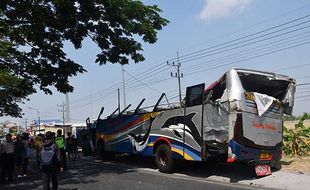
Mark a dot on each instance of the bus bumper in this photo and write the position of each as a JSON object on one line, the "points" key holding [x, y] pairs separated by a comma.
{"points": [[242, 153]]}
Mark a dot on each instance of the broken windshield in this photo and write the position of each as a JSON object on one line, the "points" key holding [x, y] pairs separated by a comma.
{"points": [[264, 84]]}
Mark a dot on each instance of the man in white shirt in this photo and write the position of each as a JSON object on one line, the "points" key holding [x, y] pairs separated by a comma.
{"points": [[7, 158]]}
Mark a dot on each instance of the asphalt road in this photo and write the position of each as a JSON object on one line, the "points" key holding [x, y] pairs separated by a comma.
{"points": [[132, 172]]}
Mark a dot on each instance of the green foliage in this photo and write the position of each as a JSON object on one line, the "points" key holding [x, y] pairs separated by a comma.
{"points": [[32, 36], [297, 141], [12, 91]]}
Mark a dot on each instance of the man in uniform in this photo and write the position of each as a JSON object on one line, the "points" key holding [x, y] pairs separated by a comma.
{"points": [[60, 143]]}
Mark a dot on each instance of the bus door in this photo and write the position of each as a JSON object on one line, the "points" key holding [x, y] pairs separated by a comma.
{"points": [[193, 120]]}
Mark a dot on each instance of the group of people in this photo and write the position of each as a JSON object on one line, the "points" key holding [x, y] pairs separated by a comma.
{"points": [[50, 151], [14, 156]]}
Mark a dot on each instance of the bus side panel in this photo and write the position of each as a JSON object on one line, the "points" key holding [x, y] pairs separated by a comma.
{"points": [[123, 134], [181, 129]]}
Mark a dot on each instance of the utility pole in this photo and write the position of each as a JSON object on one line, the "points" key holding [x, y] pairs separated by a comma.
{"points": [[124, 94], [177, 75], [67, 104], [25, 123], [38, 111], [118, 101], [62, 109], [91, 104]]}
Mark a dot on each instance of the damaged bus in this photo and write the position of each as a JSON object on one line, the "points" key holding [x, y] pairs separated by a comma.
{"points": [[238, 117]]}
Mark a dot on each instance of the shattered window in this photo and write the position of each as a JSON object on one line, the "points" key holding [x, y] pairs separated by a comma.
{"points": [[264, 85], [218, 89], [194, 95]]}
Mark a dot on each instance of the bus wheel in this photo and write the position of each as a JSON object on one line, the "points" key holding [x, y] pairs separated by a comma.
{"points": [[163, 159]]}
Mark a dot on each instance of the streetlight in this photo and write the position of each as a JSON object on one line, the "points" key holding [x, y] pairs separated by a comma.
{"points": [[38, 117]]}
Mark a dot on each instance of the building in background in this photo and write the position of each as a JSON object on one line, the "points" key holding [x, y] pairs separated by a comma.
{"points": [[53, 125]]}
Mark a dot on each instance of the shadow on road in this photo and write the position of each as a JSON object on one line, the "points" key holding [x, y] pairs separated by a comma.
{"points": [[90, 170], [234, 172], [90, 167]]}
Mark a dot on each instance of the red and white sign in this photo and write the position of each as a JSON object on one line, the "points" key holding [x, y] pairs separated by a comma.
{"points": [[262, 170]]}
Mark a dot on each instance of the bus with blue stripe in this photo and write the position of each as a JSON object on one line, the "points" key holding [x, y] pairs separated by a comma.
{"points": [[238, 117]]}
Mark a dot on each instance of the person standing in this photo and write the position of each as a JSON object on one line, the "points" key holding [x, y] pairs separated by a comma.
{"points": [[27, 145], [69, 145], [8, 158], [50, 161], [60, 143], [19, 150], [38, 142], [75, 143]]}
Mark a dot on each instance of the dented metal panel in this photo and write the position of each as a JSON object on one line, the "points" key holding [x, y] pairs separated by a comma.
{"points": [[234, 86], [216, 123], [264, 130], [289, 99]]}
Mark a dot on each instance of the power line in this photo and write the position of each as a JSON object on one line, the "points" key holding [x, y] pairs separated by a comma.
{"points": [[249, 58], [224, 49], [253, 50], [144, 84], [303, 84], [253, 25], [304, 96], [159, 68], [303, 100], [190, 55], [231, 63], [293, 67]]}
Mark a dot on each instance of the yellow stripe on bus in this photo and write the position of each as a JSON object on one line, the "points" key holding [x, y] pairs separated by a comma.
{"points": [[186, 156], [151, 144]]}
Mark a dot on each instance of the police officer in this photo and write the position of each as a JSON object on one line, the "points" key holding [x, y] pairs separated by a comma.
{"points": [[60, 143]]}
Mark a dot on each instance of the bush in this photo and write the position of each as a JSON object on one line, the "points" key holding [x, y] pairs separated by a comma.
{"points": [[296, 141]]}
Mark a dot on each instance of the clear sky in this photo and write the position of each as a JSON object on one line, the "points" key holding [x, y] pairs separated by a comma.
{"points": [[196, 25]]}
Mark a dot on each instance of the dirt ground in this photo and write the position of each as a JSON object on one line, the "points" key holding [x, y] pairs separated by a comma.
{"points": [[291, 124], [298, 164]]}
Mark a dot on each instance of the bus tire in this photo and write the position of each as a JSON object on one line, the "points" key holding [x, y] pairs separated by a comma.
{"points": [[164, 159]]}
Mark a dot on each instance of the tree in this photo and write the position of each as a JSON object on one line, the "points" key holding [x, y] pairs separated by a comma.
{"points": [[33, 32]]}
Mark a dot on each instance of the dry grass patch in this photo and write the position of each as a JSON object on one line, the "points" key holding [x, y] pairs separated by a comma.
{"points": [[296, 163]]}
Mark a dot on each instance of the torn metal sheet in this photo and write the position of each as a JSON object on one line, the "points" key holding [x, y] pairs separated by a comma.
{"points": [[215, 124]]}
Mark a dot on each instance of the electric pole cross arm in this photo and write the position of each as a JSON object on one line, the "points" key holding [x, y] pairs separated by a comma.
{"points": [[177, 75]]}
